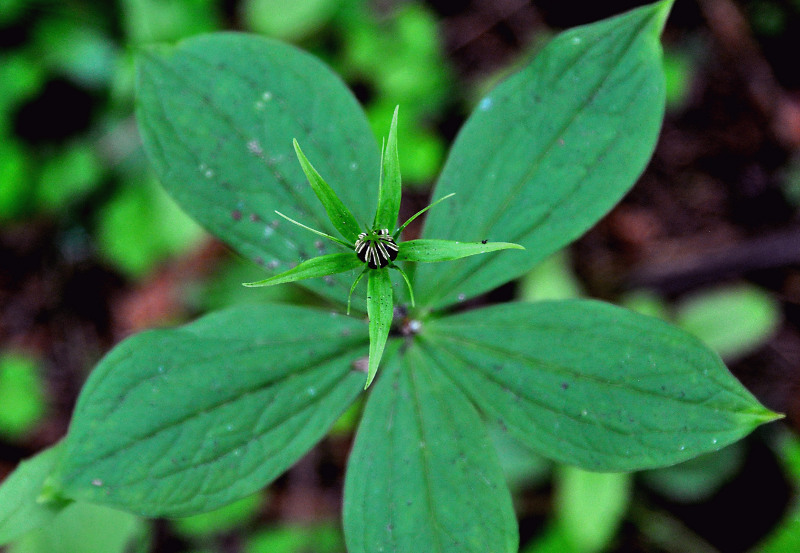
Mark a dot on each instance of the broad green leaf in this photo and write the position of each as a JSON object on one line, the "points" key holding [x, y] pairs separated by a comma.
{"points": [[86, 528], [315, 267], [181, 421], [380, 308], [423, 474], [549, 151], [593, 385], [389, 191], [20, 510], [338, 214], [430, 250], [218, 115]]}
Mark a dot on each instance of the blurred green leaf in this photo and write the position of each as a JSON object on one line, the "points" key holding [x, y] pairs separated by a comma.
{"points": [[15, 176], [590, 506], [86, 528], [220, 520], [147, 21], [72, 47], [678, 72], [552, 279], [10, 10], [67, 177], [767, 17], [21, 76], [141, 226], [553, 539], [289, 21], [22, 401], [697, 479], [733, 321], [319, 538], [785, 536], [791, 180], [646, 303], [402, 60], [589, 509]]}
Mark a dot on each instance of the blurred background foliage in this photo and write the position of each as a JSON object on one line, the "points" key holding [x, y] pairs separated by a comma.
{"points": [[91, 248]]}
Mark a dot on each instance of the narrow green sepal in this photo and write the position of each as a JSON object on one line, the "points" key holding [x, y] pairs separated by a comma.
{"points": [[418, 213], [389, 193], [380, 309], [315, 267], [340, 216], [315, 231], [408, 282], [430, 250]]}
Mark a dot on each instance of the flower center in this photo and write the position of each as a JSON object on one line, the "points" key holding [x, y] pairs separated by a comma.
{"points": [[376, 248]]}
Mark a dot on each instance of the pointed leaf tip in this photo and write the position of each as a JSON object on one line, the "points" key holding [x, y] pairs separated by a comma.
{"points": [[380, 309], [427, 250], [315, 267], [390, 191], [340, 216]]}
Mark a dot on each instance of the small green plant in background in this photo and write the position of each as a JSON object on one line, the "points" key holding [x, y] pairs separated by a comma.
{"points": [[181, 421]]}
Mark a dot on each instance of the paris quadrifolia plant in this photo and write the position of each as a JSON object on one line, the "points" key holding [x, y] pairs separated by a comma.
{"points": [[174, 422], [376, 248]]}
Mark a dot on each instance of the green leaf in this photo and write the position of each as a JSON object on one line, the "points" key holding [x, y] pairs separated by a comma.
{"points": [[22, 401], [339, 215], [315, 267], [140, 225], [428, 250], [180, 421], [380, 308], [218, 114], [390, 189], [549, 151], [593, 385], [20, 510], [423, 474]]}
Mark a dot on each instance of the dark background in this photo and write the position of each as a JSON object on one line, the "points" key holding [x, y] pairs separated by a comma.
{"points": [[91, 251]]}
